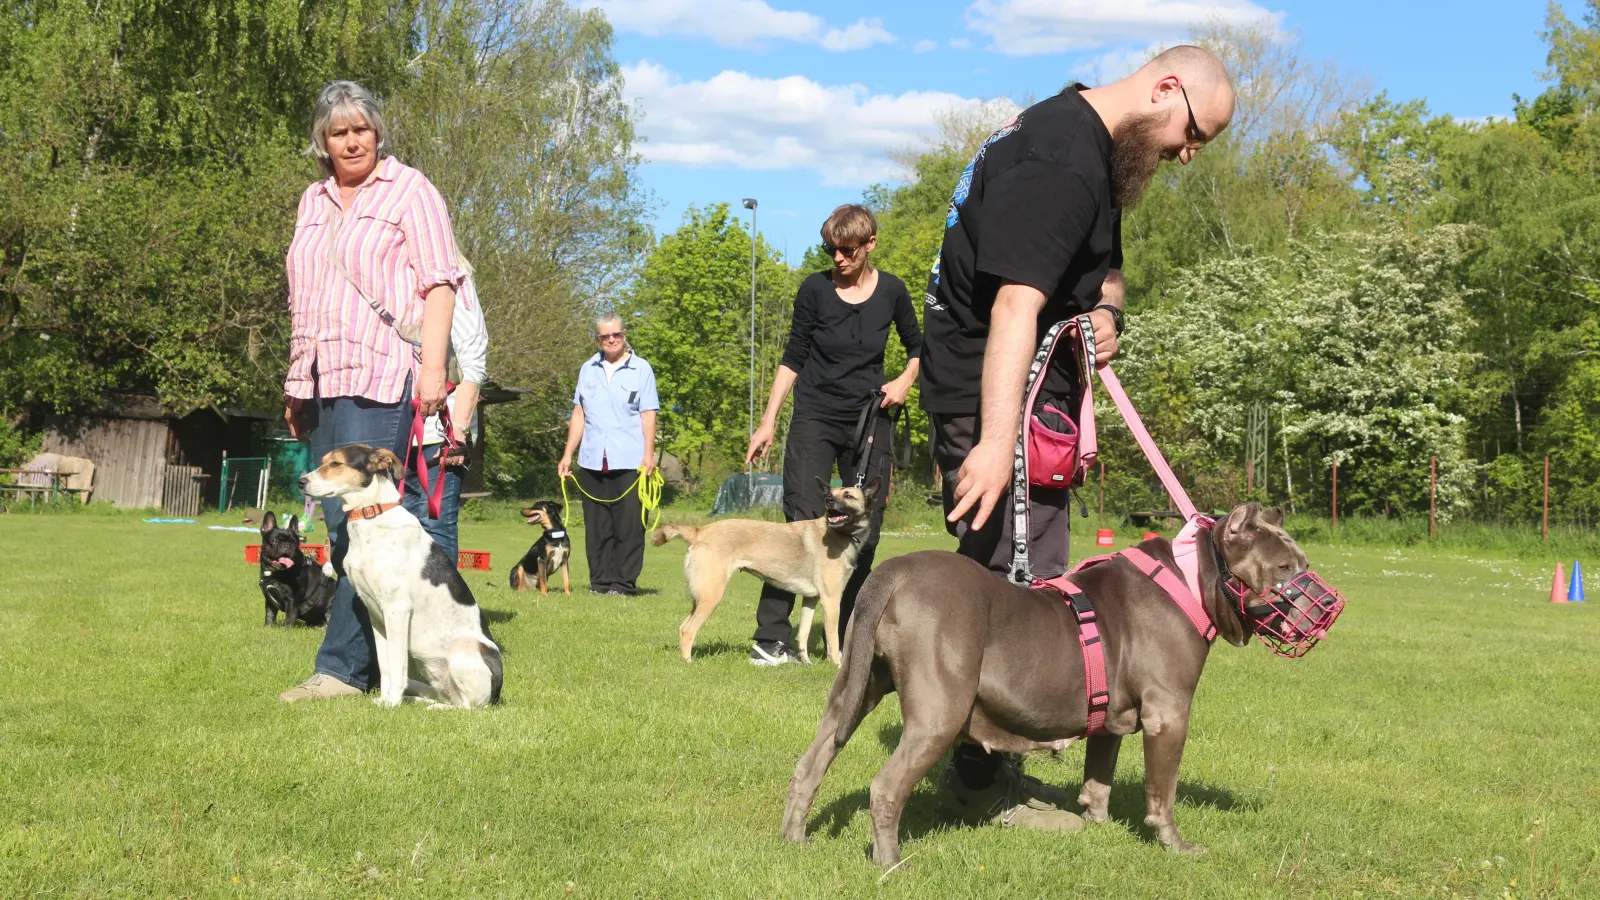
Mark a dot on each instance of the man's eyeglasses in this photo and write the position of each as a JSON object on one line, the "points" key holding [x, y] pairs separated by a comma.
{"points": [[831, 249], [1194, 135], [613, 336]]}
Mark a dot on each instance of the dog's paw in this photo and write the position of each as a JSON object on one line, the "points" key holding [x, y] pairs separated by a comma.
{"points": [[1185, 848], [387, 702]]}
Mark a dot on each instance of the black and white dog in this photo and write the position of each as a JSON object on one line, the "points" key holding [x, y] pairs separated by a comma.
{"points": [[424, 618], [298, 587]]}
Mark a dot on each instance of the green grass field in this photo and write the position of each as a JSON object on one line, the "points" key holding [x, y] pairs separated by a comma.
{"points": [[1440, 743]]}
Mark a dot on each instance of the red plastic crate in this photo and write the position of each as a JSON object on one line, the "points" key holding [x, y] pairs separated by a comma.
{"points": [[472, 559], [252, 552]]}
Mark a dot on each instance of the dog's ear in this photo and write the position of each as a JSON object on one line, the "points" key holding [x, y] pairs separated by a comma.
{"points": [[269, 522], [294, 525], [873, 487], [826, 487], [555, 507], [383, 459], [1240, 524], [1273, 516]]}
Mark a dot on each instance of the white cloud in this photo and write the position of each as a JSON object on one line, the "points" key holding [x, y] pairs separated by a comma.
{"points": [[960, 44], [737, 23], [842, 132], [1115, 65], [863, 34], [926, 46], [1031, 27]]}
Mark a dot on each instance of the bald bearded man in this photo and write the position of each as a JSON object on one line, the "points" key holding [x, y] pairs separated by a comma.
{"points": [[1032, 237]]}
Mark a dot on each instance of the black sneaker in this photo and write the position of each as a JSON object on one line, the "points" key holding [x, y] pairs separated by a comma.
{"points": [[772, 653]]}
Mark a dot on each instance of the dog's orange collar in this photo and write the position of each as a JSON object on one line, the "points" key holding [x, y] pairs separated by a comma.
{"points": [[370, 512]]}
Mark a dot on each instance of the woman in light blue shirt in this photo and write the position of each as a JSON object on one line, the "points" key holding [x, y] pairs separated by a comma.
{"points": [[613, 430]]}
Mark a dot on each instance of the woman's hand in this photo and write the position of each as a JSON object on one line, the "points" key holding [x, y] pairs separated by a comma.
{"points": [[458, 455], [292, 414], [564, 468], [431, 392], [760, 442], [895, 393]]}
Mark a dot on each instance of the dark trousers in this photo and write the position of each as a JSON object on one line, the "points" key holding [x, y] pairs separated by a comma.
{"points": [[1049, 514], [613, 532], [813, 449], [348, 652], [1049, 517]]}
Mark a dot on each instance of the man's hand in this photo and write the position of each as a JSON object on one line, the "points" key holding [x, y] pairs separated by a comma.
{"points": [[984, 479], [564, 468], [292, 414], [895, 393], [1105, 336], [649, 462], [430, 390], [760, 442]]}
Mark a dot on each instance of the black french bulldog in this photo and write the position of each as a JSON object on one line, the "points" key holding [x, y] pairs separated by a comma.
{"points": [[291, 583]]}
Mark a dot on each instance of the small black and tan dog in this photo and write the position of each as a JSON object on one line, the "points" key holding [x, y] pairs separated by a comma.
{"points": [[292, 584], [550, 552]]}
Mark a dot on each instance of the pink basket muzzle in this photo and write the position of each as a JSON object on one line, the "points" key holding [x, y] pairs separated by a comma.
{"points": [[1293, 616]]}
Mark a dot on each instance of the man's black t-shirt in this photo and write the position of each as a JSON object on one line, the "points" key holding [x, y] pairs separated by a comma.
{"points": [[837, 347], [1034, 207]]}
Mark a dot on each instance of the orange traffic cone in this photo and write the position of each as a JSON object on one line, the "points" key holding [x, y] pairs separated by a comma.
{"points": [[1558, 594]]}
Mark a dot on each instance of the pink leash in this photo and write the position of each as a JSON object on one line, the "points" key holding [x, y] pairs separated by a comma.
{"points": [[1184, 591]]}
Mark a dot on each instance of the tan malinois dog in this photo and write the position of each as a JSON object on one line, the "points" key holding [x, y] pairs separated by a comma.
{"points": [[813, 558]]}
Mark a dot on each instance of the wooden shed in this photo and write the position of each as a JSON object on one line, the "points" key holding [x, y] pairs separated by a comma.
{"points": [[134, 443]]}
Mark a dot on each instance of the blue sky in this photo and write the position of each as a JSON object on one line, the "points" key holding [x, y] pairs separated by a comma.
{"points": [[797, 102]]}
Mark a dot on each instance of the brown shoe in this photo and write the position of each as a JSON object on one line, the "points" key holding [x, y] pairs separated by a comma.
{"points": [[1014, 800], [319, 687]]}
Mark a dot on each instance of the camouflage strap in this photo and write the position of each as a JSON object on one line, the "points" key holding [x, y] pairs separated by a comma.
{"points": [[1021, 569]]}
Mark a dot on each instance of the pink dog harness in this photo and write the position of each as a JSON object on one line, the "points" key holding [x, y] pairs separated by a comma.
{"points": [[1293, 616], [1184, 591]]}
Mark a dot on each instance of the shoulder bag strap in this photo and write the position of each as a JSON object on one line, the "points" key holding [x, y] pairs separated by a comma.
{"points": [[1021, 570], [338, 265]]}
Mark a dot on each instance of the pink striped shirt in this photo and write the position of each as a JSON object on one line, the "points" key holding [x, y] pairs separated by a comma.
{"points": [[396, 241]]}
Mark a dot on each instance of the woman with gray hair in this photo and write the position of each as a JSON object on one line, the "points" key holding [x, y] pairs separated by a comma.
{"points": [[613, 430], [373, 276]]}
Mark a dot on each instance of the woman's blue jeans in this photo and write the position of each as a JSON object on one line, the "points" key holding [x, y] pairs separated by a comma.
{"points": [[348, 652]]}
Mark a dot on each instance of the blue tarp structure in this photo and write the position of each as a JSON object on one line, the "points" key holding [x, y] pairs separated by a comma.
{"points": [[741, 492]]}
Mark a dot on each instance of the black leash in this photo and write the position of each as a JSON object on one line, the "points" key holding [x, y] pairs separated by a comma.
{"points": [[866, 425]]}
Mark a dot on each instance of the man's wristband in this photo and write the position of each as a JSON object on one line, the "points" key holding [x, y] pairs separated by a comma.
{"points": [[1116, 316]]}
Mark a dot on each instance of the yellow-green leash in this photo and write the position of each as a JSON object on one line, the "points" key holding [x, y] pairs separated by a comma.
{"points": [[650, 487]]}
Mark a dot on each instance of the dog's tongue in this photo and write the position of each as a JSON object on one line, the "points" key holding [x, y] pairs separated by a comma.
{"points": [[283, 562]]}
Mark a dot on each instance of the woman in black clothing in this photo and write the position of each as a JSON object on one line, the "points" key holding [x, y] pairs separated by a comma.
{"points": [[834, 362]]}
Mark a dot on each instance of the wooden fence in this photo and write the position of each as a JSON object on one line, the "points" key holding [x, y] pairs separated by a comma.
{"points": [[182, 491]]}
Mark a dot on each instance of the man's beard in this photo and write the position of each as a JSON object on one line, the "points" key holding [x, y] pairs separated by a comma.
{"points": [[1135, 154]]}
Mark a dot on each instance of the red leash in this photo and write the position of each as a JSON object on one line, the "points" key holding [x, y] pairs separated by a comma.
{"points": [[435, 491]]}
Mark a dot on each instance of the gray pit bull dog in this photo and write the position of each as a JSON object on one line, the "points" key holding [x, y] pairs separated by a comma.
{"points": [[981, 660]]}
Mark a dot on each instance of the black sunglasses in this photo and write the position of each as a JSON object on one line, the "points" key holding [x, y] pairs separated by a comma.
{"points": [[831, 249], [1195, 134], [617, 335]]}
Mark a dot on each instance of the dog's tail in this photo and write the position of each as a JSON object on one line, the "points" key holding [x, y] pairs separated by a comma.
{"points": [[688, 533], [860, 636]]}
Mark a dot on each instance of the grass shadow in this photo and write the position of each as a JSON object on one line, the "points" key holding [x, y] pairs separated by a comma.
{"points": [[1127, 803], [919, 819], [497, 616], [712, 648], [889, 735]]}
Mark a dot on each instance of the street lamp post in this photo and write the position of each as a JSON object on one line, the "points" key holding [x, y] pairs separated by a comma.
{"points": [[750, 204]]}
